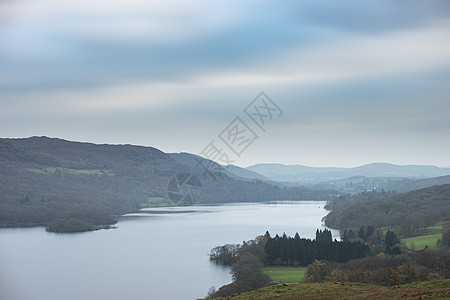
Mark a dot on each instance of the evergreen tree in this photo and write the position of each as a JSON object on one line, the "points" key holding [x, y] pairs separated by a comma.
{"points": [[445, 241], [298, 251], [391, 239], [361, 233], [369, 232], [351, 234]]}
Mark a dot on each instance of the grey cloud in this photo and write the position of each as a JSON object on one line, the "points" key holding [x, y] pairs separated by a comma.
{"points": [[369, 16], [264, 30]]}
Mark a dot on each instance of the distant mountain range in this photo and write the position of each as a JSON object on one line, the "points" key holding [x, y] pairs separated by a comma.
{"points": [[314, 175]]}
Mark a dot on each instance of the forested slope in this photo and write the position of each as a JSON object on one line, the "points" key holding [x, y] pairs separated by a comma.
{"points": [[408, 212]]}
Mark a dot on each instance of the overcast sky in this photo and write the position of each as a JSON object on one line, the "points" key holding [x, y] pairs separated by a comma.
{"points": [[357, 81]]}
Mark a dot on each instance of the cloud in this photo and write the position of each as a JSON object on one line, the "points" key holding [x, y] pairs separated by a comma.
{"points": [[343, 69], [75, 44], [342, 59]]}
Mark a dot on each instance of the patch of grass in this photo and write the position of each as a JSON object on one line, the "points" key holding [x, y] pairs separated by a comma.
{"points": [[156, 202], [285, 274], [428, 284], [435, 229], [53, 170], [38, 171], [421, 241], [426, 231], [327, 290]]}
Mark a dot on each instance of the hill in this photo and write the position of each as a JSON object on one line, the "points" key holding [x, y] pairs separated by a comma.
{"points": [[409, 211], [244, 173], [408, 184], [436, 289], [296, 173], [194, 161], [313, 175], [73, 185]]}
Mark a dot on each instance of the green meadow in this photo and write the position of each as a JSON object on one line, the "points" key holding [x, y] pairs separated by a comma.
{"points": [[424, 240], [285, 274], [429, 238]]}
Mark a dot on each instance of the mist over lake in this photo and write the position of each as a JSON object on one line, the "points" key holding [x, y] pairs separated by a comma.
{"points": [[159, 253]]}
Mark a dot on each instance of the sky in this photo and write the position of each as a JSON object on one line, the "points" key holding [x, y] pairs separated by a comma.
{"points": [[345, 83]]}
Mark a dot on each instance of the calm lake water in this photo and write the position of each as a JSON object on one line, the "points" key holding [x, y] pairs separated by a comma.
{"points": [[161, 253]]}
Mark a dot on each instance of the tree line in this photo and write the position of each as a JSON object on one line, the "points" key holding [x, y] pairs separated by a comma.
{"points": [[296, 251]]}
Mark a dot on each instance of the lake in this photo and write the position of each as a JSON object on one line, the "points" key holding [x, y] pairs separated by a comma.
{"points": [[159, 253]]}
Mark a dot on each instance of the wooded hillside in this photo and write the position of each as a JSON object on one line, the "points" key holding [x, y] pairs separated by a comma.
{"points": [[407, 212]]}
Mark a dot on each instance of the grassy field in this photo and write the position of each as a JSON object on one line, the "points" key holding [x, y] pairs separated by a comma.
{"points": [[421, 241], [161, 202], [435, 229], [53, 170], [428, 237], [437, 289], [428, 230], [285, 274], [156, 202]]}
